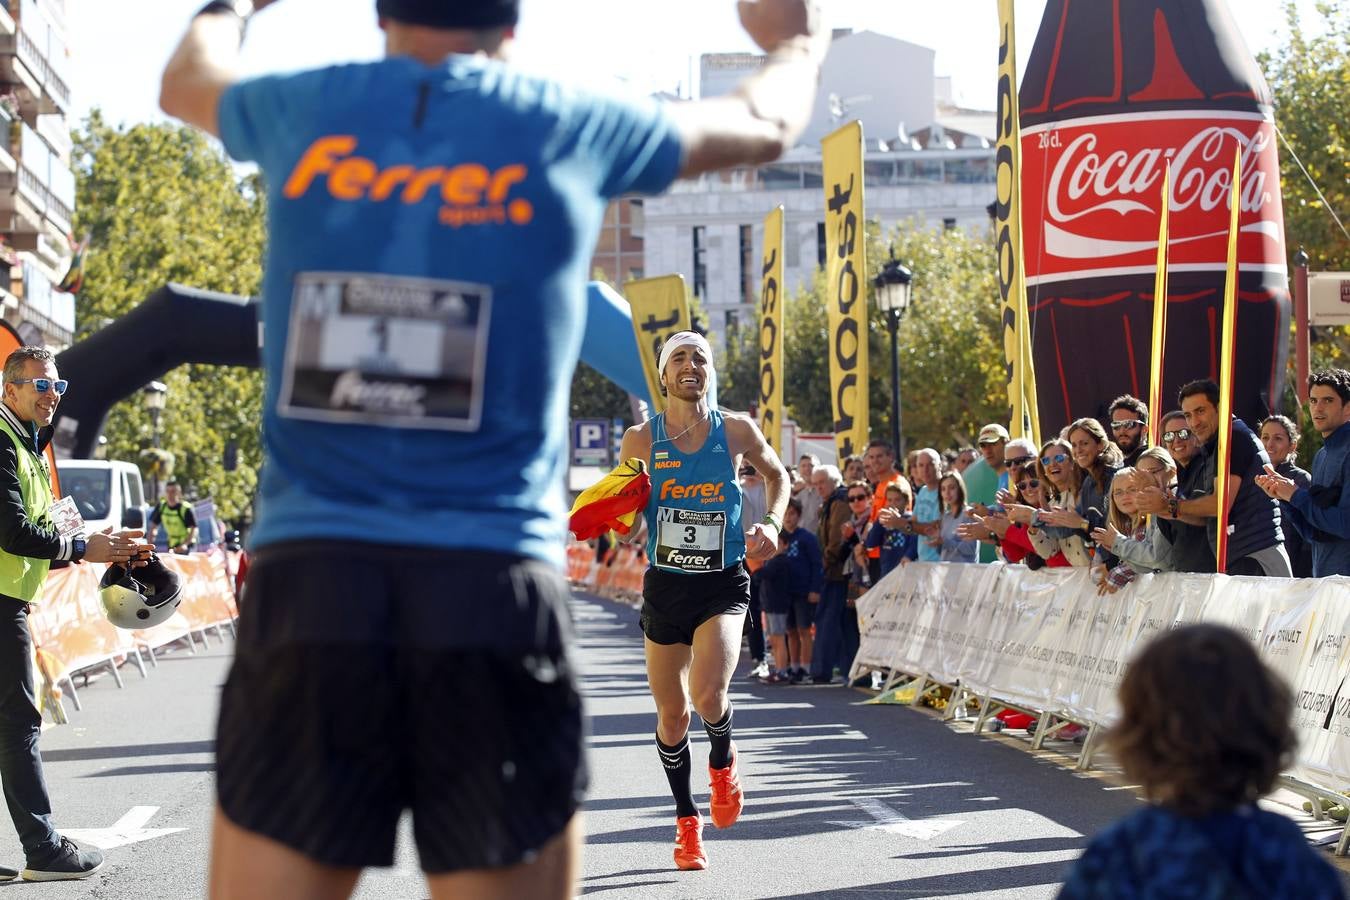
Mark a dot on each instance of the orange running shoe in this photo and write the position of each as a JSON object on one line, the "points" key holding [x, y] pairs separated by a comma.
{"points": [[727, 796], [689, 853]]}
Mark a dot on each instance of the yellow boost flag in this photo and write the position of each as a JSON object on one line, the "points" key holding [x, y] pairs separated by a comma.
{"points": [[660, 309], [1155, 374], [1024, 418], [1227, 346], [845, 286], [771, 321]]}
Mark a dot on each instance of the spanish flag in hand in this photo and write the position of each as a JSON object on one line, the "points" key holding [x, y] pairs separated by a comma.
{"points": [[612, 502]]}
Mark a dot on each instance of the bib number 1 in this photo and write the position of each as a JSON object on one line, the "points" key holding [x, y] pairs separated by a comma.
{"points": [[385, 350]]}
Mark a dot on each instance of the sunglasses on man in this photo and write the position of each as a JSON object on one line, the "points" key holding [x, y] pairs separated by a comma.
{"points": [[1125, 423], [854, 498], [1019, 460], [1180, 434], [43, 385]]}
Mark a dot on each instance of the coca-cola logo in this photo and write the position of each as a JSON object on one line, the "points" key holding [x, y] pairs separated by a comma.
{"points": [[1201, 174], [1101, 193]]}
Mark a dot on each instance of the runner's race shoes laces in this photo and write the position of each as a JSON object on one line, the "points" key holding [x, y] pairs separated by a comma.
{"points": [[689, 853], [726, 792]]}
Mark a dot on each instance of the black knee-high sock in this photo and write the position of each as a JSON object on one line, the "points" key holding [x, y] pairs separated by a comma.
{"points": [[676, 761], [719, 735]]}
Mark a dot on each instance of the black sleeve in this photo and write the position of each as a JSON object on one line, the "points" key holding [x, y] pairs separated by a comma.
{"points": [[154, 515], [19, 535], [1245, 459], [189, 517]]}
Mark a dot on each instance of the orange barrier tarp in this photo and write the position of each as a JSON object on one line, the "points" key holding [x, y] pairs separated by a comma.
{"points": [[69, 626]]}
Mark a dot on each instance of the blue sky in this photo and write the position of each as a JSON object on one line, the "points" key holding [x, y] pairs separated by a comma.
{"points": [[118, 49]]}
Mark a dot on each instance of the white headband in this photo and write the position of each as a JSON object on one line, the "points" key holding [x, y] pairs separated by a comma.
{"points": [[683, 339]]}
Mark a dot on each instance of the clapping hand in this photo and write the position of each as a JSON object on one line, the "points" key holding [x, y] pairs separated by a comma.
{"points": [[1276, 485], [1063, 518], [1106, 537], [1151, 499]]}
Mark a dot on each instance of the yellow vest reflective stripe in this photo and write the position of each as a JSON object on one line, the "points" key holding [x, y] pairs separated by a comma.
{"points": [[172, 520], [21, 576]]}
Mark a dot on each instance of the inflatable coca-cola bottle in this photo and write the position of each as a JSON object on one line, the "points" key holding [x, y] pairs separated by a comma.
{"points": [[1112, 93]]}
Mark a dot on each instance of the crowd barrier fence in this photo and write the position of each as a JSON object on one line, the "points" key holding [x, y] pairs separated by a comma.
{"points": [[72, 635], [618, 577], [1045, 643]]}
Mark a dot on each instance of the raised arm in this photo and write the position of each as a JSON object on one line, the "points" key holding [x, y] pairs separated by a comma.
{"points": [[204, 65], [769, 110]]}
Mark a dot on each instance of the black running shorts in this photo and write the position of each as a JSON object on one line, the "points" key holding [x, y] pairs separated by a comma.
{"points": [[368, 680], [674, 605]]}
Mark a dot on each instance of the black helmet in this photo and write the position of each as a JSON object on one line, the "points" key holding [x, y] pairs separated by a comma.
{"points": [[142, 597]]}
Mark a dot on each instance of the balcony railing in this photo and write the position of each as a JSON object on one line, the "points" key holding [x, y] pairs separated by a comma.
{"points": [[29, 49]]}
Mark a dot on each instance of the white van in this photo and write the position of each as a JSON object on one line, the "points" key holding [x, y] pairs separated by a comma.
{"points": [[104, 491]]}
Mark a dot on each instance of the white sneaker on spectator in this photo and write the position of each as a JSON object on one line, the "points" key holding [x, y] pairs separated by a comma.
{"points": [[758, 669]]}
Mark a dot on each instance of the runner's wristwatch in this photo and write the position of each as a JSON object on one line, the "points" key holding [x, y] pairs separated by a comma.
{"points": [[771, 519]]}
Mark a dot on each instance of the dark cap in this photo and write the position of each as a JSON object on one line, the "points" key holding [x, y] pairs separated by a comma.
{"points": [[456, 14]]}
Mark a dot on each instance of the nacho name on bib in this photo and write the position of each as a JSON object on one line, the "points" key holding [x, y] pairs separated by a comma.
{"points": [[690, 541], [386, 350]]}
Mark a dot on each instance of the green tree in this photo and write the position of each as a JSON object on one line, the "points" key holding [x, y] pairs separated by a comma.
{"points": [[163, 205], [951, 364], [1310, 78]]}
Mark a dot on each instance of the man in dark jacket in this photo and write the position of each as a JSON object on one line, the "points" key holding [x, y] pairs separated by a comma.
{"points": [[1321, 512], [834, 513]]}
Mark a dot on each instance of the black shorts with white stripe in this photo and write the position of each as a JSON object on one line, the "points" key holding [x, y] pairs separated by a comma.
{"points": [[369, 680]]}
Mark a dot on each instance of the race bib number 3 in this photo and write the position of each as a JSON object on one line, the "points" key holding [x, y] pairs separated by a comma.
{"points": [[386, 350], [690, 541]]}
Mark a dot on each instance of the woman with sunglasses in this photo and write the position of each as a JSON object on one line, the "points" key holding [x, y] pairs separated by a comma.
{"points": [[1018, 541], [1056, 467], [1280, 437]]}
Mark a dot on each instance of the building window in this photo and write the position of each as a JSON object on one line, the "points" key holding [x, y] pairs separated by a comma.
{"points": [[749, 290], [820, 244], [948, 224], [733, 321], [700, 264]]}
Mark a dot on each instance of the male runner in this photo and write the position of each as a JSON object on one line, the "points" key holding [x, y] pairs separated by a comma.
{"points": [[431, 216], [696, 592]]}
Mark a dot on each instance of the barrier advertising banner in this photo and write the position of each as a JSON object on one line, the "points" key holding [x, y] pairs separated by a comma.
{"points": [[1046, 641]]}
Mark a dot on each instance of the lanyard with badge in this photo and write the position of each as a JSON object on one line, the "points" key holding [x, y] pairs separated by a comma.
{"points": [[386, 350]]}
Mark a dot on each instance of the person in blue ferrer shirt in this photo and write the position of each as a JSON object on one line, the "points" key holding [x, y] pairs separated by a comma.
{"points": [[1321, 511], [431, 215], [1202, 834]]}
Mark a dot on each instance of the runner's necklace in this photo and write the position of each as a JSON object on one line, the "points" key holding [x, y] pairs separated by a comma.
{"points": [[697, 422]]}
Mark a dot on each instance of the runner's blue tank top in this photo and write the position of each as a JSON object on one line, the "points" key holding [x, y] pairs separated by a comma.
{"points": [[694, 514]]}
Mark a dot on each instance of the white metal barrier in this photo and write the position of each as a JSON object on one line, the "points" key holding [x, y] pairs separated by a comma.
{"points": [[1045, 642]]}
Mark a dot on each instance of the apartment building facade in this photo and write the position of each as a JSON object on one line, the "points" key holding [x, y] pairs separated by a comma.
{"points": [[37, 185]]}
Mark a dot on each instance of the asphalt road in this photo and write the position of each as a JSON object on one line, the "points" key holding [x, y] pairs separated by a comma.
{"points": [[843, 800]]}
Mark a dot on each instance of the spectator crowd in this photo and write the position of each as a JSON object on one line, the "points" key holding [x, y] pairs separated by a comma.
{"points": [[1095, 494]]}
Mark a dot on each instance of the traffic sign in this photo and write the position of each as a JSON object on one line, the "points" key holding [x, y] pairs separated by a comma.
{"points": [[590, 442]]}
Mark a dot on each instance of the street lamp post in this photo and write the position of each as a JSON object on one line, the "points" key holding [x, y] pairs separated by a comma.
{"points": [[154, 394], [893, 293]]}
